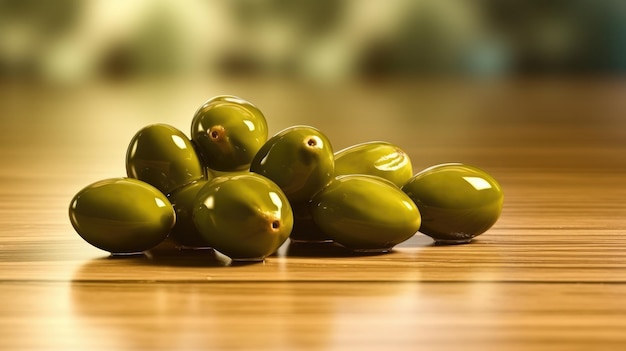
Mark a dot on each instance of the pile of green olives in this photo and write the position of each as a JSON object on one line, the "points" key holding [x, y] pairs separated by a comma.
{"points": [[233, 188]]}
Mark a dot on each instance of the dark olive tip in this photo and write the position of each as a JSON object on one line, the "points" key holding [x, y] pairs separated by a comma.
{"points": [[275, 224], [216, 133], [313, 142]]}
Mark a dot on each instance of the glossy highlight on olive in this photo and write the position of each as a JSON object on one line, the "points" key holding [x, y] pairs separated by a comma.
{"points": [[457, 201], [365, 213], [243, 215], [377, 158], [121, 215], [228, 132], [164, 157], [299, 159]]}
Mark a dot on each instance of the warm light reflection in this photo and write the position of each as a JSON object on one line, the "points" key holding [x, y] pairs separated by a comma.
{"points": [[391, 162], [264, 159], [478, 183], [133, 150], [73, 218], [209, 202], [200, 128], [249, 124], [233, 99], [408, 205], [179, 142], [370, 302], [276, 200], [159, 202]]}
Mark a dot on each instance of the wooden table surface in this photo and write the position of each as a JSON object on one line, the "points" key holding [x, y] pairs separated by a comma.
{"points": [[549, 275]]}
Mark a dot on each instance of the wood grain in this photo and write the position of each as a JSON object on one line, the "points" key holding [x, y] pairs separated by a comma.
{"points": [[550, 275]]}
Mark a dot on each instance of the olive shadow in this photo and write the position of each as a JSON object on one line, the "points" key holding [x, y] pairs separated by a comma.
{"points": [[321, 250], [169, 254], [109, 266], [187, 258], [332, 249], [164, 254]]}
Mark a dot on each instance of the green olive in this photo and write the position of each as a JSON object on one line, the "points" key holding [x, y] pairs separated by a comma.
{"points": [[243, 215], [299, 159], [457, 201], [228, 132], [305, 230], [122, 215], [164, 157], [185, 234], [376, 158], [365, 213]]}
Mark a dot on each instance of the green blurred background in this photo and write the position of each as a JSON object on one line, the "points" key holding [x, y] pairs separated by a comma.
{"points": [[69, 41], [496, 83]]}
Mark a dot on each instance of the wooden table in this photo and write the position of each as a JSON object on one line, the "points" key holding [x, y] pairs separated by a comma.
{"points": [[550, 275]]}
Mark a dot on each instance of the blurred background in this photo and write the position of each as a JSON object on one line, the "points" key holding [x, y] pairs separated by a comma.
{"points": [[69, 41], [495, 83]]}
